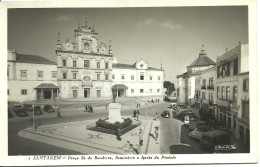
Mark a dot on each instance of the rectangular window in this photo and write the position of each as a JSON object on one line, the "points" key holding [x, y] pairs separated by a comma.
{"points": [[151, 77], [98, 76], [54, 74], [86, 64], [159, 78], [141, 77], [246, 85], [245, 109], [8, 91], [228, 93], [23, 75], [203, 95], [24, 91], [113, 76], [98, 65], [64, 62], [235, 93], [141, 90], [235, 69], [122, 77], [74, 75], [228, 69], [223, 93], [218, 93], [107, 76], [158, 90], [40, 74], [132, 90], [8, 71], [74, 63], [64, 75], [132, 77], [150, 90]]}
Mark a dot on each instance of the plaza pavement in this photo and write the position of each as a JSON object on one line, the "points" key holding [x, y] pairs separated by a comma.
{"points": [[76, 137]]}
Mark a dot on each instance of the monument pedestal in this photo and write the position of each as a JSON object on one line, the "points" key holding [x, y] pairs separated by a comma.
{"points": [[114, 113]]}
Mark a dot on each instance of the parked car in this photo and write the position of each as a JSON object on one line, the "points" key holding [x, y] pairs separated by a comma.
{"points": [[193, 124], [48, 108], [199, 131], [21, 112], [172, 105], [182, 114], [212, 139], [16, 107], [189, 117], [37, 110], [165, 114], [28, 107]]}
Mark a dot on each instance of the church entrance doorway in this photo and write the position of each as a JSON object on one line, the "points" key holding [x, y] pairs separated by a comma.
{"points": [[86, 93]]}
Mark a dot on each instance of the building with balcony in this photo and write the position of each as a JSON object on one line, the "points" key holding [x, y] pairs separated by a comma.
{"points": [[205, 99], [232, 90], [30, 77], [187, 81]]}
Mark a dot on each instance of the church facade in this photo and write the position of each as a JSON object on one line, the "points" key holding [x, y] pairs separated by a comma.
{"points": [[84, 67]]}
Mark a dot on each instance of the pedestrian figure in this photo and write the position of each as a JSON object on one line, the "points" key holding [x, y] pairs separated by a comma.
{"points": [[91, 109], [137, 105], [156, 117], [58, 113], [134, 113], [156, 133], [152, 101], [137, 112], [137, 116], [158, 100], [106, 106]]}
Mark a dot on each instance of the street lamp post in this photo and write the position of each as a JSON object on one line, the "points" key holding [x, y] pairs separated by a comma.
{"points": [[33, 119]]}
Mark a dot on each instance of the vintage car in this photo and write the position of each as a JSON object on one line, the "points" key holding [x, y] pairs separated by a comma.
{"points": [[165, 114], [37, 110], [21, 112], [197, 133], [48, 108], [189, 117], [211, 140], [16, 107], [28, 107]]}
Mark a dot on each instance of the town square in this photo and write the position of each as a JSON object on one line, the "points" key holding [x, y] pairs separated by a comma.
{"points": [[128, 81]]}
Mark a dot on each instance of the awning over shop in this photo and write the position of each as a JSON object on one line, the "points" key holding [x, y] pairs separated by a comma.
{"points": [[119, 86], [47, 86]]}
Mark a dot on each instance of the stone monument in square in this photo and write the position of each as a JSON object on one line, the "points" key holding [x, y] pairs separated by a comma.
{"points": [[114, 112]]}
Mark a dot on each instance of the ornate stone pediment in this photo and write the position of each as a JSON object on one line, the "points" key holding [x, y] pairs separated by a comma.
{"points": [[98, 87], [74, 87]]}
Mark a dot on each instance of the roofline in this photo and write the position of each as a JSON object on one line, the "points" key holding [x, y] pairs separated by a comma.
{"points": [[32, 62], [244, 73], [94, 54], [200, 65], [138, 69], [223, 54]]}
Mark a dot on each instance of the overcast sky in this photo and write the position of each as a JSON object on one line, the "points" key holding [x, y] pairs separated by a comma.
{"points": [[171, 34]]}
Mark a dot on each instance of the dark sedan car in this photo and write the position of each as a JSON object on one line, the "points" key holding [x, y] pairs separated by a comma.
{"points": [[28, 107], [48, 108], [21, 112], [37, 110], [165, 114], [182, 114], [16, 107]]}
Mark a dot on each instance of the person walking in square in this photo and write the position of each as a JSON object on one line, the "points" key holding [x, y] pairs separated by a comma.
{"points": [[156, 133]]}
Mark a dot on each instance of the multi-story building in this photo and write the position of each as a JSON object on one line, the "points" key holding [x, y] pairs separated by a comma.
{"points": [[205, 99], [84, 66], [138, 80], [187, 80], [232, 86], [30, 77]]}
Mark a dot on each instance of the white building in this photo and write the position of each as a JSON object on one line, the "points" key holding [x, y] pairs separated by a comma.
{"points": [[30, 77], [84, 66], [232, 86], [187, 80], [138, 80]]}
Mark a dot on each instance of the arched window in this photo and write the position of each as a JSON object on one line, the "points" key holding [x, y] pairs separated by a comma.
{"points": [[106, 76], [64, 75], [86, 46], [64, 62], [106, 65]]}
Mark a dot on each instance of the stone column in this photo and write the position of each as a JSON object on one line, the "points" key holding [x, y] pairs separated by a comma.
{"points": [[52, 94], [116, 92]]}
